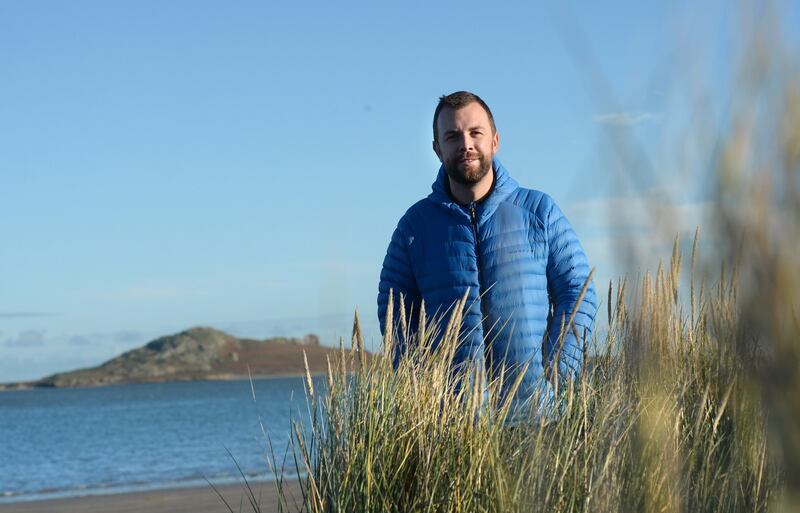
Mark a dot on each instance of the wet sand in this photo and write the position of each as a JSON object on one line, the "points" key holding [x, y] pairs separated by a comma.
{"points": [[177, 500]]}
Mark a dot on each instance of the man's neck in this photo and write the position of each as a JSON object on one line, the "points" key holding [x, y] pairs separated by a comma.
{"points": [[466, 194]]}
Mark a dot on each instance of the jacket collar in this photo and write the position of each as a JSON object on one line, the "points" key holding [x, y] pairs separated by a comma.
{"points": [[502, 188]]}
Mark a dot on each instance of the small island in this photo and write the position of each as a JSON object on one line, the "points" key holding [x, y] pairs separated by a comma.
{"points": [[199, 353]]}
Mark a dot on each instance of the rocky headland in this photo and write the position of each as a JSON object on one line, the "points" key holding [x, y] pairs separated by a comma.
{"points": [[196, 354]]}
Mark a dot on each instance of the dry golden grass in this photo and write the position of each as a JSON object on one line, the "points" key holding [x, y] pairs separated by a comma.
{"points": [[665, 419]]}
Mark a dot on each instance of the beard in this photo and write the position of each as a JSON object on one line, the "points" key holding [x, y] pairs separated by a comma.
{"points": [[471, 174]]}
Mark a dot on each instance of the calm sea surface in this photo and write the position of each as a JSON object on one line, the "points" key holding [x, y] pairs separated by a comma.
{"points": [[66, 442]]}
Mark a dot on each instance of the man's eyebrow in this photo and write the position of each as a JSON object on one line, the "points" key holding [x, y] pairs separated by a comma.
{"points": [[470, 129]]}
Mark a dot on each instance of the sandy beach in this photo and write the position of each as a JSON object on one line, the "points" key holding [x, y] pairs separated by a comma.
{"points": [[178, 500]]}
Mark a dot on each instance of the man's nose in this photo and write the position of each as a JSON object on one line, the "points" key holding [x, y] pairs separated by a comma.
{"points": [[466, 142]]}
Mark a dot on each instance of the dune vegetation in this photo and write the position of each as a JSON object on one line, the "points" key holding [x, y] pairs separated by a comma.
{"points": [[667, 418]]}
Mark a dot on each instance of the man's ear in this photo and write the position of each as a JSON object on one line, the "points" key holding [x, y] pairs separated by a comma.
{"points": [[495, 142], [437, 151]]}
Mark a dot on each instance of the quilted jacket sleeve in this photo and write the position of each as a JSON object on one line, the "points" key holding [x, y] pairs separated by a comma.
{"points": [[567, 271], [397, 276]]}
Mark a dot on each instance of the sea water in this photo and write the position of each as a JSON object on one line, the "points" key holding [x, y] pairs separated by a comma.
{"points": [[69, 442]]}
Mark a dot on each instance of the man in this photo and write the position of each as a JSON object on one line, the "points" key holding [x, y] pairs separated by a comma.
{"points": [[511, 247]]}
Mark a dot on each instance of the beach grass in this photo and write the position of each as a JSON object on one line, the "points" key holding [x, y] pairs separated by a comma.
{"points": [[666, 418]]}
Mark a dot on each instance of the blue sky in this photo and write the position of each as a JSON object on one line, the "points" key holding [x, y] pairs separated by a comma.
{"points": [[242, 165]]}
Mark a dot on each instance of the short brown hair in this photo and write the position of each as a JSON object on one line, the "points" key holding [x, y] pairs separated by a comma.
{"points": [[456, 101]]}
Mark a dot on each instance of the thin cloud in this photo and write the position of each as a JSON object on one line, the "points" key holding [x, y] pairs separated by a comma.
{"points": [[103, 338], [637, 214], [24, 315], [151, 292], [126, 336], [626, 118], [28, 338], [80, 340]]}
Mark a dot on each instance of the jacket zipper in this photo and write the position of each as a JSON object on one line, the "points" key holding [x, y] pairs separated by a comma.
{"points": [[476, 233], [474, 218]]}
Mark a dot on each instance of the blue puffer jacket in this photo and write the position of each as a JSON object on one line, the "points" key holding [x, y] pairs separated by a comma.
{"points": [[522, 263]]}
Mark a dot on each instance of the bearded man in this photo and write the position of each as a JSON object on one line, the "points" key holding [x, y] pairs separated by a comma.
{"points": [[511, 248]]}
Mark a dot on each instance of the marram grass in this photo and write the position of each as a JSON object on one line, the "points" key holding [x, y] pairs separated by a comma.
{"points": [[665, 419]]}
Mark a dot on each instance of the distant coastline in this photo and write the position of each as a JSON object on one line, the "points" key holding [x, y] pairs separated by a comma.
{"points": [[196, 354], [23, 386]]}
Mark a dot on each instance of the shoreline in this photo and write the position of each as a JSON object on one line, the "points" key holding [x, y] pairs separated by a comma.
{"points": [[198, 499], [27, 386]]}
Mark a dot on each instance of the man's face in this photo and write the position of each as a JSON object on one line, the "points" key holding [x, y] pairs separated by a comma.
{"points": [[466, 143]]}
